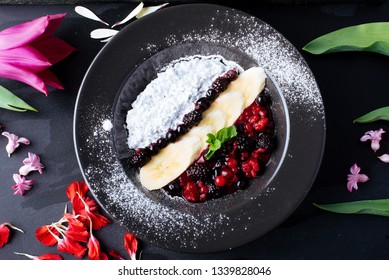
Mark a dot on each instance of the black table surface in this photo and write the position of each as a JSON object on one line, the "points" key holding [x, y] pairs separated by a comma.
{"points": [[351, 84]]}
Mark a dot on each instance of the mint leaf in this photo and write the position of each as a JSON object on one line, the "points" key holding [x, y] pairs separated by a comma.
{"points": [[216, 141]]}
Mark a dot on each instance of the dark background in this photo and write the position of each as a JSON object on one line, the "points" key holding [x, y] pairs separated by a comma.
{"points": [[352, 84]]}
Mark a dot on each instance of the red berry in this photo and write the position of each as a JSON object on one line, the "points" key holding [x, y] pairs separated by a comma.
{"points": [[203, 197], [231, 162], [204, 189], [235, 170], [253, 173], [227, 173], [248, 127], [235, 179], [220, 181], [246, 167], [254, 119]]}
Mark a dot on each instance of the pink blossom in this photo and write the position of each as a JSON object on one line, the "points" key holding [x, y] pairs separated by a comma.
{"points": [[355, 178], [13, 142], [22, 184], [27, 50], [32, 163], [384, 158], [375, 136]]}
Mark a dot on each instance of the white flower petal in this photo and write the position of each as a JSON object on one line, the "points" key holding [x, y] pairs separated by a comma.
{"points": [[133, 13], [149, 10], [85, 12], [102, 33]]}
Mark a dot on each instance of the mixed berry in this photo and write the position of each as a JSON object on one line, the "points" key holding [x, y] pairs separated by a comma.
{"points": [[239, 160]]}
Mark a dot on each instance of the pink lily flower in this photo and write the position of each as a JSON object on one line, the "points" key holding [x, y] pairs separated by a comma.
{"points": [[32, 163], [22, 184], [28, 49], [384, 158], [375, 136], [14, 141], [355, 178]]}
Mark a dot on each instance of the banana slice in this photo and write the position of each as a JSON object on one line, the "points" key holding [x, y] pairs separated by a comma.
{"points": [[170, 162], [230, 102], [216, 119], [251, 82], [201, 132]]}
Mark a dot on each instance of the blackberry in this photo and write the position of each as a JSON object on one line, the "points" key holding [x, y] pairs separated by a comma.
{"points": [[244, 143], [171, 135], [231, 74], [174, 189], [211, 94], [192, 118], [153, 148], [198, 171], [264, 141], [182, 129], [202, 104], [162, 143], [139, 157], [264, 97], [214, 191], [220, 84]]}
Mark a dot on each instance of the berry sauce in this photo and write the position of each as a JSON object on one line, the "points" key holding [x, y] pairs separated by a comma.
{"points": [[238, 161]]}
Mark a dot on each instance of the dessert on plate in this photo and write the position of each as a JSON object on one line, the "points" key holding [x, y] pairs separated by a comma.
{"points": [[203, 128]]}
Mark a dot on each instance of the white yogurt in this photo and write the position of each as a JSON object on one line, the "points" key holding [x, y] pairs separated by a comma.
{"points": [[165, 101]]}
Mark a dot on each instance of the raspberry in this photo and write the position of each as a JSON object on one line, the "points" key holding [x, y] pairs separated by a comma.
{"points": [[198, 171]]}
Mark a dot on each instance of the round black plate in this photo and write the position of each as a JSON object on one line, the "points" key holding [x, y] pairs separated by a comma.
{"points": [[219, 224]]}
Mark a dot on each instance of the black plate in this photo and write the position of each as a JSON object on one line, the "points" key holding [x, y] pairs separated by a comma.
{"points": [[140, 50]]}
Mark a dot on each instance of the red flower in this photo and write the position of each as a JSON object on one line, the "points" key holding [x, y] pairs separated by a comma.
{"points": [[76, 229], [74, 188], [71, 246], [5, 232], [130, 244], [88, 209], [45, 235], [94, 251], [42, 257]]}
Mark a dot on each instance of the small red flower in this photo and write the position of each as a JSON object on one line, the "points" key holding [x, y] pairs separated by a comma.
{"points": [[76, 229], [45, 235], [88, 208], [130, 244], [42, 257], [5, 232], [94, 251], [76, 187], [71, 246]]}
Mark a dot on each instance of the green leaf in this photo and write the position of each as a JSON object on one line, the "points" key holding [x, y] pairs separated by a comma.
{"points": [[11, 102], [373, 207], [216, 141], [371, 37], [378, 114]]}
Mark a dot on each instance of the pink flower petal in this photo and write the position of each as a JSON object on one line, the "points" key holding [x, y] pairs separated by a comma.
{"points": [[23, 33], [365, 137], [13, 142], [50, 79], [384, 158], [53, 48], [25, 57], [22, 184], [22, 75], [32, 163], [355, 169], [53, 23], [354, 178], [375, 136]]}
